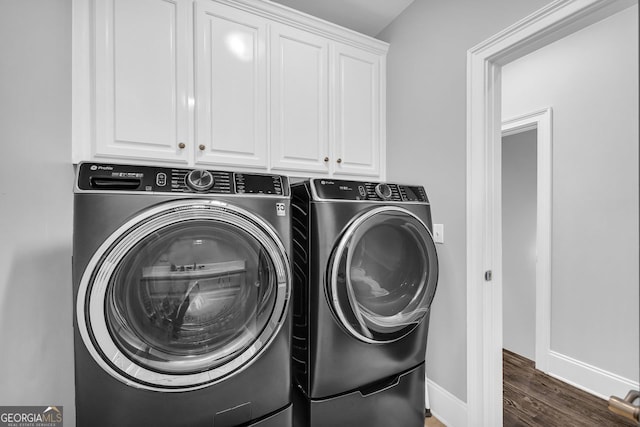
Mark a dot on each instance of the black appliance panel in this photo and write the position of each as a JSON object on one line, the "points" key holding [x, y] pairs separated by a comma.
{"points": [[333, 189], [136, 178]]}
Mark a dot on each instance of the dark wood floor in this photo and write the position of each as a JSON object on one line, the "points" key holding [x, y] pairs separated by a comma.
{"points": [[532, 398]]}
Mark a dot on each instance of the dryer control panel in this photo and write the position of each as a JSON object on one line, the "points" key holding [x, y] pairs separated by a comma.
{"points": [[134, 178], [335, 189]]}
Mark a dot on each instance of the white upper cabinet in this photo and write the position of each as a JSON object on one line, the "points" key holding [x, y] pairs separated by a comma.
{"points": [[235, 84], [358, 115], [231, 86], [299, 100], [141, 80]]}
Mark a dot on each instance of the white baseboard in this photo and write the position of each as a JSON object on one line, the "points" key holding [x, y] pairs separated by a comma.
{"points": [[589, 378], [446, 407]]}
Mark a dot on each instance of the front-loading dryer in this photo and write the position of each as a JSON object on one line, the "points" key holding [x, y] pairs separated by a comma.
{"points": [[365, 273], [182, 285]]}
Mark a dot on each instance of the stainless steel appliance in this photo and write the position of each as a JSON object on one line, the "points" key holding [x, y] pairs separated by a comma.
{"points": [[182, 286], [365, 274]]}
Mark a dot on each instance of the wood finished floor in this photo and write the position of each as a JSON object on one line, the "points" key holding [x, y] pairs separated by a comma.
{"points": [[432, 422], [532, 398]]}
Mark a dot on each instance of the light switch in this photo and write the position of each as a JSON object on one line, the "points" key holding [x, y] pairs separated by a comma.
{"points": [[438, 233]]}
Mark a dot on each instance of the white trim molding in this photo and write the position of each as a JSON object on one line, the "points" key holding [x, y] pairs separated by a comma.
{"points": [[484, 241], [447, 408], [589, 378], [541, 121], [81, 66]]}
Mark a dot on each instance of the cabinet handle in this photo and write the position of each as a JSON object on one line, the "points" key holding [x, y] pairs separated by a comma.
{"points": [[181, 145], [326, 159], [339, 160], [201, 147]]}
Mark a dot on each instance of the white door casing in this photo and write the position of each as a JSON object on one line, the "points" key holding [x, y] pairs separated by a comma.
{"points": [[484, 240], [542, 122]]}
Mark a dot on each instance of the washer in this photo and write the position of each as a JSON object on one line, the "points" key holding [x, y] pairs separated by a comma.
{"points": [[365, 274], [182, 288]]}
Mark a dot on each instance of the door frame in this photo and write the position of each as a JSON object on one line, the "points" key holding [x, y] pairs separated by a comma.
{"points": [[541, 121], [484, 219]]}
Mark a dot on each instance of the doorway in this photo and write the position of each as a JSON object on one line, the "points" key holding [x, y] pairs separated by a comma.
{"points": [[519, 242], [485, 252], [526, 221]]}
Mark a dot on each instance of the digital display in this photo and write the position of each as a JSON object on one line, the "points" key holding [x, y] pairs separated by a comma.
{"points": [[414, 194], [340, 190], [258, 184]]}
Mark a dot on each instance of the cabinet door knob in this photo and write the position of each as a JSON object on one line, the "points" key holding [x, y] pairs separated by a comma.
{"points": [[201, 147], [339, 160], [326, 159], [181, 145]]}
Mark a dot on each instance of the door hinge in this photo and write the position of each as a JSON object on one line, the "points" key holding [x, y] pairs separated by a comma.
{"points": [[488, 275]]}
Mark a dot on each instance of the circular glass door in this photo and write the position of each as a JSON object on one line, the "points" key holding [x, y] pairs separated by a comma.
{"points": [[383, 275], [183, 295]]}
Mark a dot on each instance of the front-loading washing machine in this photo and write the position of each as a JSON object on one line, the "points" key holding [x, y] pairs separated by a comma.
{"points": [[182, 289], [365, 273]]}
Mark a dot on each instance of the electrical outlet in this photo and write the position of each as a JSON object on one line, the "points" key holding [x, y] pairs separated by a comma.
{"points": [[438, 233]]}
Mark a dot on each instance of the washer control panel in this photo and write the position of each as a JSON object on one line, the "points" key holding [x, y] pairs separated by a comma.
{"points": [[118, 178], [199, 180], [335, 189]]}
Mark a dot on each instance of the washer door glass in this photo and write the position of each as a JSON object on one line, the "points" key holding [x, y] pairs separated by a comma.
{"points": [[383, 274], [185, 295]]}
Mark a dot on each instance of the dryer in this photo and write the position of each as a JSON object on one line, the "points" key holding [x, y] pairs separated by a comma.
{"points": [[365, 273], [182, 289]]}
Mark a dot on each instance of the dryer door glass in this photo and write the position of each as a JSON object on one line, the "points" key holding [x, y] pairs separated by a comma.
{"points": [[383, 274], [190, 296], [187, 296]]}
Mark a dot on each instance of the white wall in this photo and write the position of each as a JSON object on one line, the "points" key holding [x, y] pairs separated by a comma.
{"points": [[426, 144], [519, 201], [590, 79], [36, 179]]}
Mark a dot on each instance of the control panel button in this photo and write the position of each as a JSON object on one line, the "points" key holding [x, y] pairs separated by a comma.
{"points": [[161, 179], [383, 191], [199, 180]]}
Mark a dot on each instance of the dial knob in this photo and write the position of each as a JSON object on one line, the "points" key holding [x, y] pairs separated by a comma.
{"points": [[384, 191], [200, 180]]}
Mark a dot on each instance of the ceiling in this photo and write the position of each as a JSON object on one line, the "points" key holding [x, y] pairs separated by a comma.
{"points": [[365, 16]]}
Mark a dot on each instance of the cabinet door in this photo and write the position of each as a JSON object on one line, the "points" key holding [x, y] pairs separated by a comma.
{"points": [[231, 76], [141, 79], [358, 112], [299, 100]]}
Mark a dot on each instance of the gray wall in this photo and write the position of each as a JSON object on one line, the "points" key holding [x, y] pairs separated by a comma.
{"points": [[590, 79], [426, 144], [36, 177], [519, 201]]}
